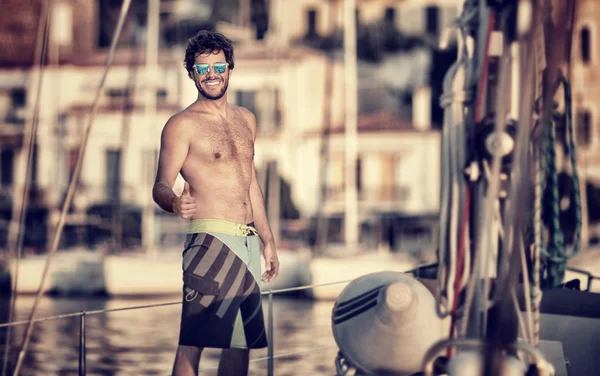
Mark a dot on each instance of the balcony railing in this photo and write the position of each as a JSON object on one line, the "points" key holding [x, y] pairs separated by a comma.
{"points": [[394, 193], [15, 115]]}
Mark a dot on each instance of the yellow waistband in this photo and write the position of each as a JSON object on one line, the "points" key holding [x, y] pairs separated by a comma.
{"points": [[220, 225]]}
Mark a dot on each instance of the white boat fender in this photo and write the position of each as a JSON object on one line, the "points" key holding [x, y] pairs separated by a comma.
{"points": [[384, 323]]}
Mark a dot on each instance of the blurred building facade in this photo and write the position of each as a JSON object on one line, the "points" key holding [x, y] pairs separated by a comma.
{"points": [[305, 19], [295, 90], [585, 77], [585, 88]]}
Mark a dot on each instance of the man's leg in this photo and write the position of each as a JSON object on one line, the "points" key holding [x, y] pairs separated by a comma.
{"points": [[186, 361], [234, 362]]}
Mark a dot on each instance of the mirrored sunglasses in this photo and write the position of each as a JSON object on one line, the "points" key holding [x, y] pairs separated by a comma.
{"points": [[218, 68]]}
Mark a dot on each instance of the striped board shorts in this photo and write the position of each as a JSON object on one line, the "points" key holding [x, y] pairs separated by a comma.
{"points": [[222, 305]]}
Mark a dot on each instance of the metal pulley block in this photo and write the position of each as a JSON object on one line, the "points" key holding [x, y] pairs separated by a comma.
{"points": [[490, 143]]}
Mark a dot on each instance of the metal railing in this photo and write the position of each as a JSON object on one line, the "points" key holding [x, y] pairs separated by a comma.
{"points": [[590, 277], [270, 325], [270, 321]]}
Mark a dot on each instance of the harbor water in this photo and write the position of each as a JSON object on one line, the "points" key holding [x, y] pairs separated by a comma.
{"points": [[143, 341]]}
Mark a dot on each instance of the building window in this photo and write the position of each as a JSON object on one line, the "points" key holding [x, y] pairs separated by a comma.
{"points": [[359, 175], [113, 173], [161, 93], [432, 20], [247, 99], [388, 176], [134, 30], [7, 158], [278, 111], [258, 103], [335, 179], [116, 93], [311, 23], [265, 105], [34, 166], [18, 100], [584, 128], [585, 40], [389, 17], [19, 97]]}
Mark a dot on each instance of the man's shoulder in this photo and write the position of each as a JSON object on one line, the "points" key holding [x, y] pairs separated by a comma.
{"points": [[243, 111], [179, 122]]}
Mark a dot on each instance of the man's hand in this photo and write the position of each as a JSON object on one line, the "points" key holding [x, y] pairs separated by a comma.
{"points": [[185, 205], [271, 263]]}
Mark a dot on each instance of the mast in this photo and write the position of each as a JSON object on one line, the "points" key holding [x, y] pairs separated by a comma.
{"points": [[148, 218], [274, 199], [322, 218], [351, 227]]}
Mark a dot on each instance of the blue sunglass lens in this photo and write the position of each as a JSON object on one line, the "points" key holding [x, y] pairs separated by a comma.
{"points": [[202, 68], [220, 68]]}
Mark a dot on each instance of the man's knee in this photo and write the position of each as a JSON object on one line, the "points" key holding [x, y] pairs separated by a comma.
{"points": [[186, 360], [189, 352]]}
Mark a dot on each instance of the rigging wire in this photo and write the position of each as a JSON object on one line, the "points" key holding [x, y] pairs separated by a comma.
{"points": [[73, 182], [536, 292], [492, 189], [457, 83], [529, 335], [509, 264], [20, 204]]}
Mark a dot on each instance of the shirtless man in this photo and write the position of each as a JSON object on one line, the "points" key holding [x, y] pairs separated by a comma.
{"points": [[211, 143]]}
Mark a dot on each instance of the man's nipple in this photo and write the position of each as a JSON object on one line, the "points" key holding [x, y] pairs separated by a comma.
{"points": [[217, 155]]}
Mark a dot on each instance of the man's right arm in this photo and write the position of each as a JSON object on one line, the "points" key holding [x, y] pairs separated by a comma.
{"points": [[174, 146]]}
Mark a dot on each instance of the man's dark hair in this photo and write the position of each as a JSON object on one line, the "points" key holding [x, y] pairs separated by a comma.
{"points": [[208, 41]]}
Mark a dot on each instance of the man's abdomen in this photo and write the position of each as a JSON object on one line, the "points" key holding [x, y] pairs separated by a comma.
{"points": [[223, 206], [221, 191]]}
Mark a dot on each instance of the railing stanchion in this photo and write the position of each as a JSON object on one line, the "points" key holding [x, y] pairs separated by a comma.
{"points": [[271, 360], [82, 344]]}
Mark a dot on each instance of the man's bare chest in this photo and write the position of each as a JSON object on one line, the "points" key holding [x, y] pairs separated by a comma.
{"points": [[224, 142]]}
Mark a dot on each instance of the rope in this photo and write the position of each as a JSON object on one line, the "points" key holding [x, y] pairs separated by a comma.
{"points": [[536, 292], [454, 250], [572, 151], [72, 183], [554, 271], [555, 255], [483, 240]]}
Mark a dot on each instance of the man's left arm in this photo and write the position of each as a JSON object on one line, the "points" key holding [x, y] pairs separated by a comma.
{"points": [[264, 229], [261, 221]]}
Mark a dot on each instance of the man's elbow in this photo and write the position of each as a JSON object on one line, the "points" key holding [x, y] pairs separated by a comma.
{"points": [[153, 193], [156, 192]]}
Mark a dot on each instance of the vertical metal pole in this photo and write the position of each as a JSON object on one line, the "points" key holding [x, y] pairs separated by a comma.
{"points": [[151, 71], [271, 364], [82, 344], [351, 223]]}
